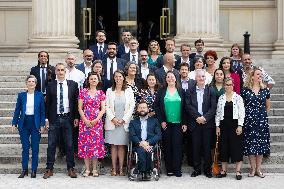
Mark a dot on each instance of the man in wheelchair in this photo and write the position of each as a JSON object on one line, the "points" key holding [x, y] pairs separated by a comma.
{"points": [[144, 133]]}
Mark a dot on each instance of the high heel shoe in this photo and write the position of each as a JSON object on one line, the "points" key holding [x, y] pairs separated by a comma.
{"points": [[222, 174], [239, 175], [113, 172], [33, 174], [95, 173], [259, 174], [251, 173], [121, 172], [86, 174], [23, 174]]}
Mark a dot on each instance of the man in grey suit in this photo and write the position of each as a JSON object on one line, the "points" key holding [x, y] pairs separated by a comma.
{"points": [[201, 108]]}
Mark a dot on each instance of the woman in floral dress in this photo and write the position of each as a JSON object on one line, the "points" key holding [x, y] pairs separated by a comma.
{"points": [[91, 108]]}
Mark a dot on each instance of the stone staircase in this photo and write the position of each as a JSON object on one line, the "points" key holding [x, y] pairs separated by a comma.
{"points": [[12, 76]]}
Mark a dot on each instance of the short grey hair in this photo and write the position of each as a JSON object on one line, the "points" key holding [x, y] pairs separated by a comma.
{"points": [[31, 76], [199, 72]]}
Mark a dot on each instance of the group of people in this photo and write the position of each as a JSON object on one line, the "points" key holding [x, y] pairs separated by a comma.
{"points": [[121, 94]]}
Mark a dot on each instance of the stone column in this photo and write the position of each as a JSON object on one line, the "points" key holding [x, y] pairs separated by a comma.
{"points": [[199, 19], [279, 44], [53, 27]]}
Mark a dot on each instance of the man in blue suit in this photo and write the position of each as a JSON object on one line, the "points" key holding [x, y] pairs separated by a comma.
{"points": [[144, 133], [123, 48], [86, 66], [99, 49]]}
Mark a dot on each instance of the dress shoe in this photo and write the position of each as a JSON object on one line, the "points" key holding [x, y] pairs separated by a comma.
{"points": [[208, 174], [146, 177], [195, 174], [72, 173], [178, 174], [33, 174], [48, 173], [221, 174], [23, 174], [239, 175]]}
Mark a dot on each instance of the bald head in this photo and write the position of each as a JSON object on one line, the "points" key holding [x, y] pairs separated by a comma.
{"points": [[169, 59], [88, 56]]}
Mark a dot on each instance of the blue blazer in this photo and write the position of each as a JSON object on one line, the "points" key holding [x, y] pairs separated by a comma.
{"points": [[97, 56], [39, 114], [81, 67], [153, 131]]}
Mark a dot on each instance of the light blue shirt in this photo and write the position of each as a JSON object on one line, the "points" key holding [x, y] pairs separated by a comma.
{"points": [[184, 84], [199, 94], [143, 127]]}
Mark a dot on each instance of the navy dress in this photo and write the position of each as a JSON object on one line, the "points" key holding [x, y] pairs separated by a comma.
{"points": [[256, 128]]}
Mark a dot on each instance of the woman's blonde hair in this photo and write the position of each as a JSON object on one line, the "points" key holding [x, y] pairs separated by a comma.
{"points": [[249, 80]]}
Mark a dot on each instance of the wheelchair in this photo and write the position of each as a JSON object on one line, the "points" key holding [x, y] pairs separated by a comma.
{"points": [[132, 163]]}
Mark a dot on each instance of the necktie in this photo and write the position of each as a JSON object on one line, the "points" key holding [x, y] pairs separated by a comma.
{"points": [[43, 79], [133, 58], [61, 107], [111, 70], [101, 53]]}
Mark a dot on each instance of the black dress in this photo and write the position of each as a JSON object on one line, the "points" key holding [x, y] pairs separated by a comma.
{"points": [[230, 142]]}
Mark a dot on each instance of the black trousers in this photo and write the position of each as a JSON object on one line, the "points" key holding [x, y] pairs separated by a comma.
{"points": [[172, 147], [201, 145]]}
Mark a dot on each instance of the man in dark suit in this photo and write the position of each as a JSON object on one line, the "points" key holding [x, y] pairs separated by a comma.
{"points": [[112, 63], [186, 83], [201, 108], [133, 54], [199, 46], [170, 45], [99, 49], [61, 112], [43, 72], [185, 52], [86, 66], [123, 48], [144, 133], [100, 23], [169, 62], [144, 67]]}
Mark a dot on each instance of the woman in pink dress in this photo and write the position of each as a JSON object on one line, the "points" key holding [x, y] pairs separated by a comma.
{"points": [[91, 108]]}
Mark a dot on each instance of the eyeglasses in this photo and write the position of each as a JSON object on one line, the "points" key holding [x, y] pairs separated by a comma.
{"points": [[228, 85]]}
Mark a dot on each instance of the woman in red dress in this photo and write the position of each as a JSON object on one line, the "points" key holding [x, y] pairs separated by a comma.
{"points": [[91, 108]]}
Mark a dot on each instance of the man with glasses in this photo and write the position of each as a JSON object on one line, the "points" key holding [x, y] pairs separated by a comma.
{"points": [[199, 46], [86, 66], [99, 49], [133, 54], [144, 67]]}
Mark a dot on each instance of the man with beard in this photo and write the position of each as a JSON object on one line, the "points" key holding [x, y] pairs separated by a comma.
{"points": [[99, 49], [86, 66], [144, 133], [124, 48], [112, 63], [144, 67], [199, 46]]}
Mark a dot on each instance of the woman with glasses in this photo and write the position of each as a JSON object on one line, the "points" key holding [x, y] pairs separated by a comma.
{"points": [[229, 119]]}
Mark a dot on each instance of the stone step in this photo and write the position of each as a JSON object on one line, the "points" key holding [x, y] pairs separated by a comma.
{"points": [[11, 91], [277, 90], [7, 104], [15, 139], [12, 78], [8, 98], [277, 104], [275, 119], [10, 72], [5, 84], [277, 97], [273, 128], [276, 112], [277, 137]]}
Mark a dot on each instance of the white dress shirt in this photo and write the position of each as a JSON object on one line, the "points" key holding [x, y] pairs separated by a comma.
{"points": [[199, 94], [135, 55], [75, 75], [88, 69], [30, 104], [143, 127], [109, 66], [65, 97], [126, 49], [99, 47], [144, 70]]}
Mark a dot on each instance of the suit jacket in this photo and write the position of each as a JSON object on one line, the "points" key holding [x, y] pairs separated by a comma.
{"points": [[178, 62], [128, 109], [191, 83], [20, 110], [208, 107], [160, 60], [161, 74], [159, 105], [81, 67], [153, 131], [51, 100], [120, 65], [126, 56], [36, 72], [120, 50], [152, 68], [95, 50]]}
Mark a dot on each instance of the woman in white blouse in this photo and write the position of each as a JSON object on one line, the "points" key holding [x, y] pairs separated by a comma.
{"points": [[229, 119], [199, 63], [120, 105], [29, 118]]}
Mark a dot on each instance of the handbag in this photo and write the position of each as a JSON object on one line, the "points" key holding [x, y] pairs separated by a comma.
{"points": [[215, 166]]}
